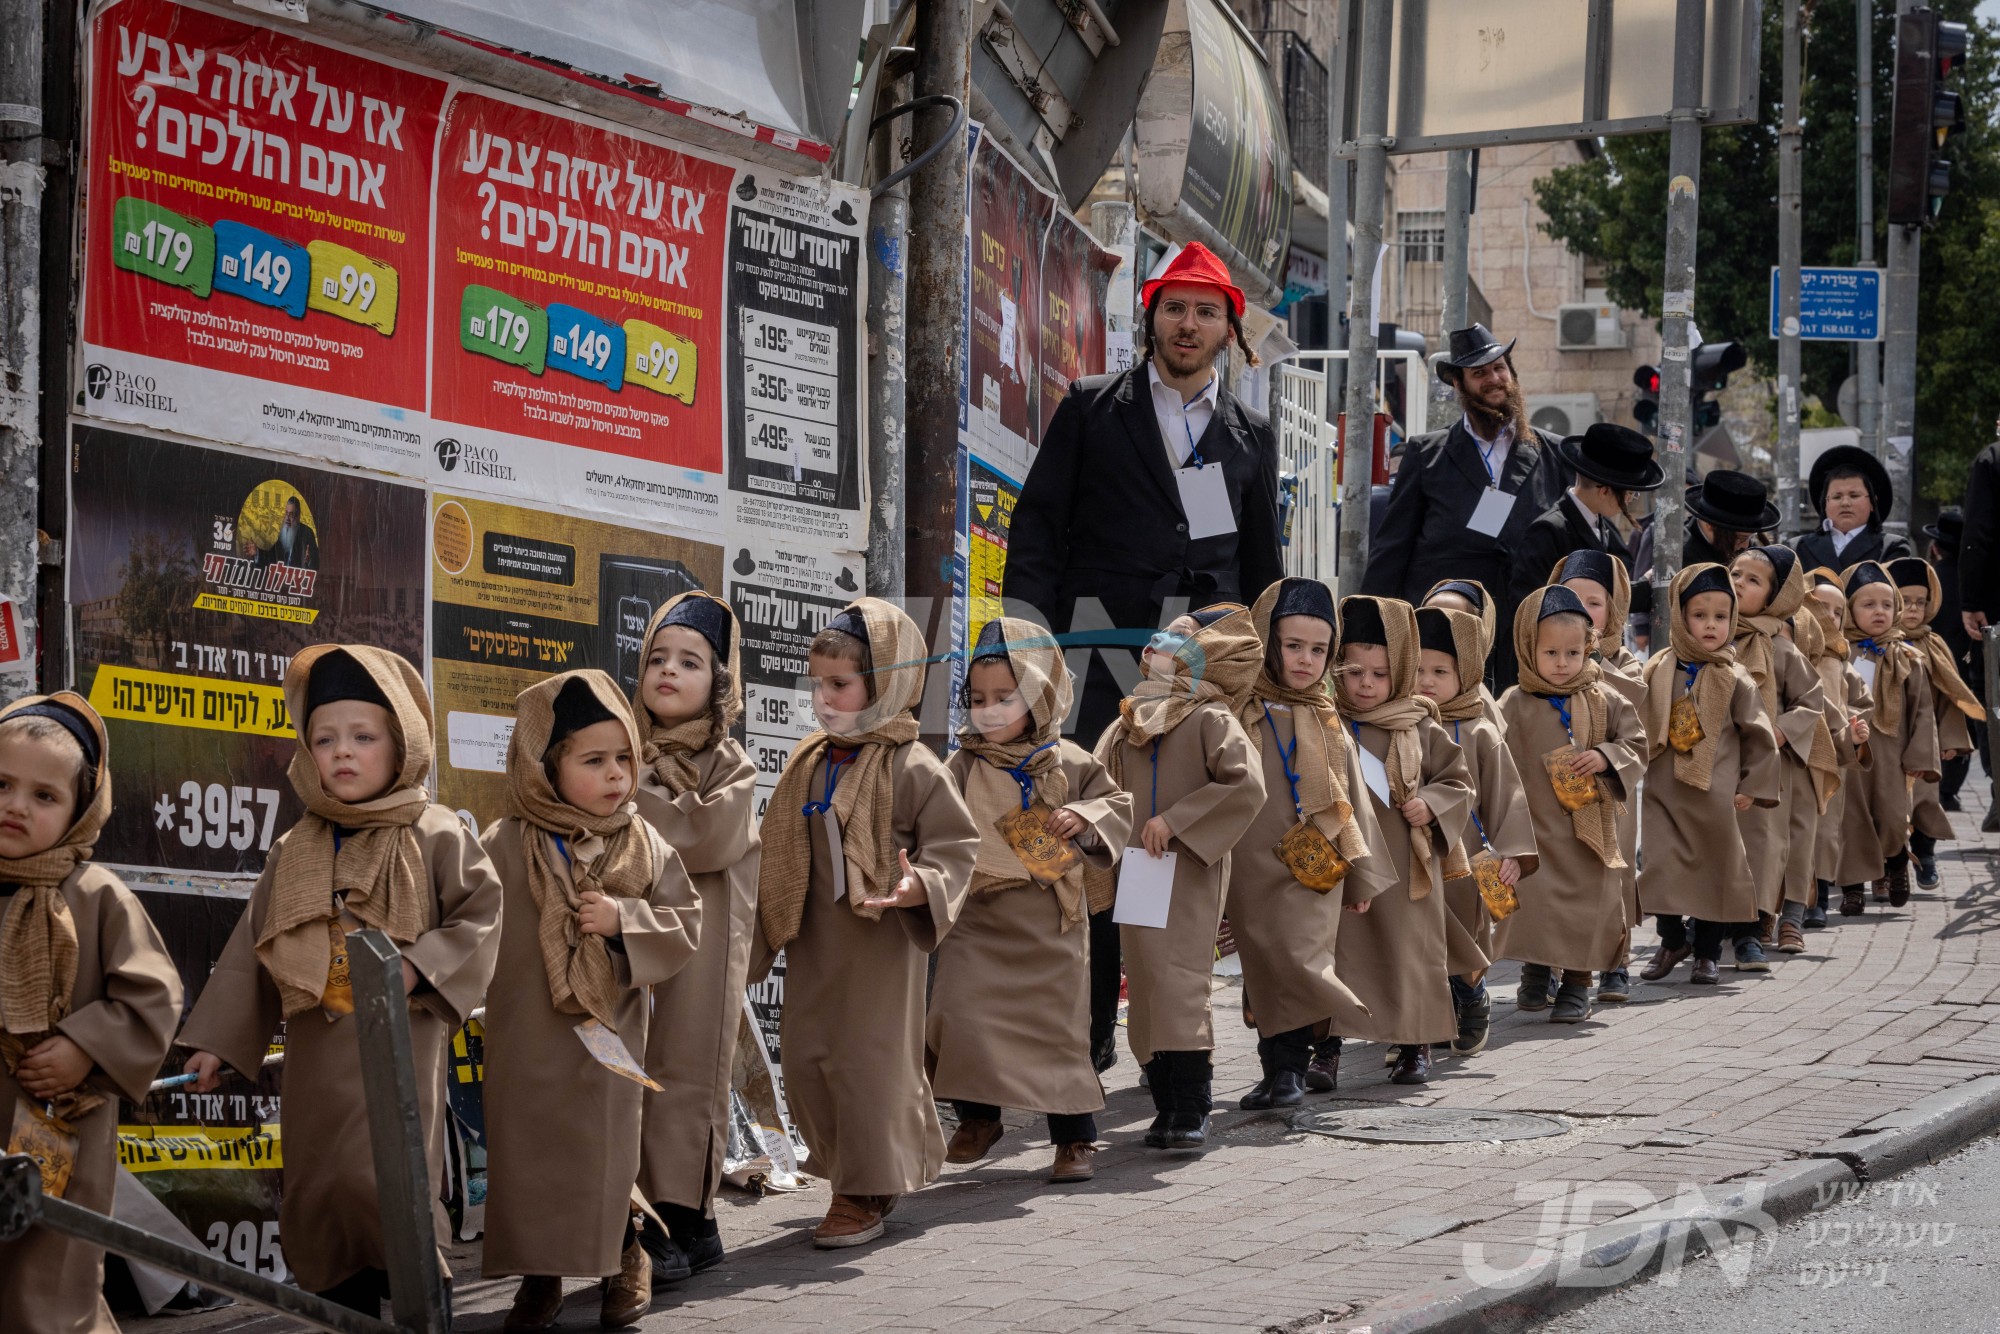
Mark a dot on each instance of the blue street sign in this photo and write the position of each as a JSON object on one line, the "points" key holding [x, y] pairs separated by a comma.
{"points": [[1835, 305]]}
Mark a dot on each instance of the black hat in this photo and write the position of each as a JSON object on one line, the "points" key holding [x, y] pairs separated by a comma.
{"points": [[1304, 597], [1615, 455], [850, 621], [992, 641], [1469, 348], [1949, 530], [1866, 573], [577, 707], [1782, 559], [1560, 601], [1911, 572], [1469, 591], [339, 676], [1361, 622], [1852, 458], [705, 616], [1714, 580], [1733, 500], [1208, 616], [76, 725], [1590, 564], [1434, 631]]}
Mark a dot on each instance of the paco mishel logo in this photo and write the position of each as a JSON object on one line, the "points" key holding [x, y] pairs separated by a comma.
{"points": [[126, 388], [476, 460]]}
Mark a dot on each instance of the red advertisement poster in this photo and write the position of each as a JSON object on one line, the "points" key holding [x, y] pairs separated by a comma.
{"points": [[258, 205], [1076, 273], [1009, 214], [580, 286]]}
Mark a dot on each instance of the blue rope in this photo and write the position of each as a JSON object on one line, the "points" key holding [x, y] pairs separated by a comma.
{"points": [[1285, 754], [1019, 773], [1473, 809], [825, 803], [1560, 703]]}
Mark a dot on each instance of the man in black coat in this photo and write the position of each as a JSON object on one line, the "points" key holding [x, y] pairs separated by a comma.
{"points": [[1155, 493], [1611, 462], [1464, 496], [1850, 489], [1979, 582], [1726, 513], [1942, 552]]}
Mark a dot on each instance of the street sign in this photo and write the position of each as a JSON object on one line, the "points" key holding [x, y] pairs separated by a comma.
{"points": [[1835, 305]]}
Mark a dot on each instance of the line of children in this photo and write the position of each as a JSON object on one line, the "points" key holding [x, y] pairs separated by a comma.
{"points": [[1952, 703]]}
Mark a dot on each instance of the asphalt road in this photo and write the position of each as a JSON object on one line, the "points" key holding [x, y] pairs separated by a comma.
{"points": [[1921, 1252]]}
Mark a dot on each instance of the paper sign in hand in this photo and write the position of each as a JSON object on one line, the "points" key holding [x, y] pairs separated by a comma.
{"points": [[609, 1051]]}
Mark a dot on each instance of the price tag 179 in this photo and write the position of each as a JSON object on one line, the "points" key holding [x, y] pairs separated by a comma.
{"points": [[586, 346], [162, 244], [506, 328], [260, 267], [660, 360], [349, 284]]}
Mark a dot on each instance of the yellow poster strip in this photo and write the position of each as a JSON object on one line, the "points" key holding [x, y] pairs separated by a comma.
{"points": [[178, 1149], [269, 611], [137, 695], [349, 284], [659, 360]]}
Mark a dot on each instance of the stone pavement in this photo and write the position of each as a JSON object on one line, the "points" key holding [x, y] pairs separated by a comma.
{"points": [[1276, 1230]]}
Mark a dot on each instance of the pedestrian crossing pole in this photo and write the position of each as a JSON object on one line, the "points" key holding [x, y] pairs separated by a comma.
{"points": [[1677, 301]]}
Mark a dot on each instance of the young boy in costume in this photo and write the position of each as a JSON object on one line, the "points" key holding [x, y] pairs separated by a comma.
{"points": [[1952, 703], [1711, 755], [372, 850], [1196, 785], [1577, 744], [868, 855], [88, 1001], [1818, 631], [697, 788], [598, 909], [1009, 1022], [1393, 957]]}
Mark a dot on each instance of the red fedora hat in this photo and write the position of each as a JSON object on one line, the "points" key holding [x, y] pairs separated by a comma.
{"points": [[1195, 264]]}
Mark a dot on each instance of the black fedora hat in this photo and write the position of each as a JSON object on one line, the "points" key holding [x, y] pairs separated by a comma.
{"points": [[1949, 529], [1732, 500], [1615, 455], [1472, 347], [1852, 458]]}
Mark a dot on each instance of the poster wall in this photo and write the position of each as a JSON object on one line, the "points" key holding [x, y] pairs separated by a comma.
{"points": [[519, 594], [194, 576]]}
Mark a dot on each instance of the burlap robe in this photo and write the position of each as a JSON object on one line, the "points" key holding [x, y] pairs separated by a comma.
{"points": [[1665, 677], [1952, 705], [1595, 825]]}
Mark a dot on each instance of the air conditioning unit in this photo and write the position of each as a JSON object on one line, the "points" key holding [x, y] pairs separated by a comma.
{"points": [[1589, 327], [1564, 414]]}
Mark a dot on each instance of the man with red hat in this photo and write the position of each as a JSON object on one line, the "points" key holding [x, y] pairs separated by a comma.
{"points": [[1155, 492]]}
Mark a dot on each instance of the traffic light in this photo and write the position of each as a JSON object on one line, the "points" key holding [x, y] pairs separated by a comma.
{"points": [[1709, 368], [1926, 115], [1646, 403]]}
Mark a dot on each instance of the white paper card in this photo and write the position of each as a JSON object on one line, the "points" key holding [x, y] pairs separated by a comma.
{"points": [[831, 823], [1865, 665], [1489, 516], [1145, 888], [1376, 773], [1205, 501]]}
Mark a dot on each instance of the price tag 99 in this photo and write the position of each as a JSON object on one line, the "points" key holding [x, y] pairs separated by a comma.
{"points": [[349, 284], [660, 360]]}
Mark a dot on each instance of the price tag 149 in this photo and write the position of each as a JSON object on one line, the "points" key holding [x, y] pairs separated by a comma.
{"points": [[260, 267]]}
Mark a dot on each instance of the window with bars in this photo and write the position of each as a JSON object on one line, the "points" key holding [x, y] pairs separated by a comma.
{"points": [[1420, 273]]}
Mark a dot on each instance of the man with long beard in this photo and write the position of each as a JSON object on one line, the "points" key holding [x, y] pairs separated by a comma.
{"points": [[1464, 496]]}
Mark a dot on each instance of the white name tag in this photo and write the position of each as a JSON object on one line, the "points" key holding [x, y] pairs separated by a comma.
{"points": [[1145, 888], [1489, 516], [1205, 501], [1865, 665], [1375, 773]]}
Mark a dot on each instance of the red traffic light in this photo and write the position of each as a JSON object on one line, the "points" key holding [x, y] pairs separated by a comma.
{"points": [[1951, 43], [1647, 379]]}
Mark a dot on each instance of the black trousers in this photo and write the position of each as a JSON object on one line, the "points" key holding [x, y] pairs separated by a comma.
{"points": [[1707, 936], [1064, 1127], [1952, 773], [1106, 976]]}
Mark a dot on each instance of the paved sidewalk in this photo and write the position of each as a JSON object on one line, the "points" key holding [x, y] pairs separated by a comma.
{"points": [[1274, 1230]]}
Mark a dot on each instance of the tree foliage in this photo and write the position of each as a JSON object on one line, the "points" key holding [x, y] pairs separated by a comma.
{"points": [[1612, 209]]}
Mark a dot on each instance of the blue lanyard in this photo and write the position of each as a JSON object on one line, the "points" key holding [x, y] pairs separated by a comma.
{"points": [[1156, 775], [825, 803], [1560, 703], [1872, 647], [1486, 455], [562, 846], [1473, 809], [1194, 449], [1693, 669], [1285, 754], [1019, 773]]}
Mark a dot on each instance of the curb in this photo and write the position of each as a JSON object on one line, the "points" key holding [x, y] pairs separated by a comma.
{"points": [[1629, 1249]]}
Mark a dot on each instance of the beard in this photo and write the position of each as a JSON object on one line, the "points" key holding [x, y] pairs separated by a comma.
{"points": [[1489, 420]]}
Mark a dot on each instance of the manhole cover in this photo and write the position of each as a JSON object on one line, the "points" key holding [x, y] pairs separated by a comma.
{"points": [[1425, 1125]]}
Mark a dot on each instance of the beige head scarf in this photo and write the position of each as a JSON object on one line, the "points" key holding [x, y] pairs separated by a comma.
{"points": [[1488, 615], [1471, 641], [38, 945], [1595, 825], [671, 749], [1400, 715], [1945, 679], [992, 791], [1895, 657], [613, 854], [1714, 684], [864, 801], [1756, 650], [1320, 742], [375, 861], [1219, 661], [1617, 603]]}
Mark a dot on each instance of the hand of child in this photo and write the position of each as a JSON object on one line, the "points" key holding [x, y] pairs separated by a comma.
{"points": [[52, 1068], [410, 977], [1359, 907], [1588, 762], [1857, 727], [1742, 801], [909, 891], [1950, 755], [1066, 823], [1156, 834], [1416, 812], [206, 1067], [1510, 871], [599, 915]]}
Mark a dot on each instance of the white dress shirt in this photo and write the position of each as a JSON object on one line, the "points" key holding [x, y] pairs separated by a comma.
{"points": [[1182, 423], [1493, 453], [1591, 518], [1840, 539]]}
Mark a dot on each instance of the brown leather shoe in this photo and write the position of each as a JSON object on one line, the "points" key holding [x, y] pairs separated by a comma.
{"points": [[537, 1304], [629, 1292], [1766, 924], [853, 1220], [1791, 938], [1706, 973], [1665, 961], [1323, 1075], [971, 1140], [1899, 884], [1414, 1065], [1073, 1162], [1852, 904]]}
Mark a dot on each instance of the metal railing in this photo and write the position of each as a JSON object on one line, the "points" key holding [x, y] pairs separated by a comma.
{"points": [[1301, 79]]}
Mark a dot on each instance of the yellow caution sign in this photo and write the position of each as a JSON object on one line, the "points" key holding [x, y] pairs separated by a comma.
{"points": [[183, 1149], [660, 360], [349, 284]]}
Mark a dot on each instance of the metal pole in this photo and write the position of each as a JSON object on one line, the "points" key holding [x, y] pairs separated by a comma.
{"points": [[888, 242], [1457, 258], [1677, 300], [21, 182], [1990, 641], [1868, 356], [1790, 137], [935, 313], [1899, 365], [1370, 169], [1336, 212], [403, 1184]]}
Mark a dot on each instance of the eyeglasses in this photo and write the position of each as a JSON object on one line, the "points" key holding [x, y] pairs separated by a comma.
{"points": [[1204, 313]]}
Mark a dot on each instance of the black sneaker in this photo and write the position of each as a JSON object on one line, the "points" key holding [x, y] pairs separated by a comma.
{"points": [[1927, 873], [1815, 917], [1614, 987], [670, 1262], [1475, 1022], [1750, 956], [1534, 990]]}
